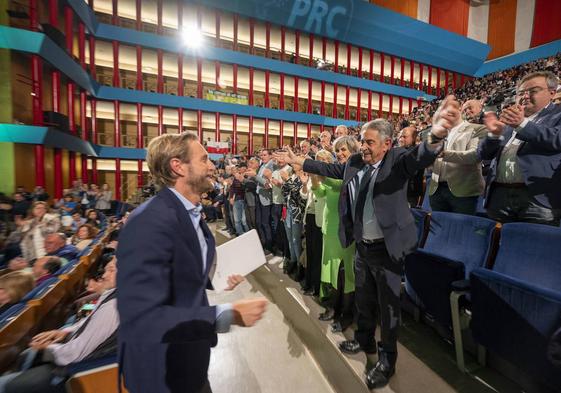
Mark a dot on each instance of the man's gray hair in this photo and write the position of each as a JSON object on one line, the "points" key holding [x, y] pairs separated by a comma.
{"points": [[383, 127], [550, 79]]}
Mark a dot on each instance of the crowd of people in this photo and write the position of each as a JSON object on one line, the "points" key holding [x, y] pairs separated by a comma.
{"points": [[300, 198]]}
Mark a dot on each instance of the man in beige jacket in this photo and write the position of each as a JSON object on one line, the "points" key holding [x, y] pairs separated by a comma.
{"points": [[457, 181]]}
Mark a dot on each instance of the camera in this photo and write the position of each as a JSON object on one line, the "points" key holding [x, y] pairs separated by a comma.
{"points": [[500, 100]]}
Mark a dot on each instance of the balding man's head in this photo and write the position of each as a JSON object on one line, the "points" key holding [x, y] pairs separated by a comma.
{"points": [[54, 242], [471, 110], [341, 131], [407, 137]]}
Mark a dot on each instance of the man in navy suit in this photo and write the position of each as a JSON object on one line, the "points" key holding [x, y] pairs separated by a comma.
{"points": [[524, 183], [165, 254], [375, 214]]}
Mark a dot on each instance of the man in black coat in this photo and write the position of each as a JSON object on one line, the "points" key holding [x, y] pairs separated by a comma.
{"points": [[375, 214]]}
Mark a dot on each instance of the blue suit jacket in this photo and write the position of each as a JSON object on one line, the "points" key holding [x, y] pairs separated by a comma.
{"points": [[167, 326], [539, 157]]}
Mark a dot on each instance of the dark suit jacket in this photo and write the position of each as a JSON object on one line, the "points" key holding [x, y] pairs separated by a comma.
{"points": [[539, 157], [390, 195], [166, 324]]}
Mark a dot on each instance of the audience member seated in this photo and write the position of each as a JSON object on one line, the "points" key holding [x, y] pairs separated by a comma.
{"points": [[68, 206], [77, 220], [90, 338], [21, 206], [13, 287], [55, 245], [35, 230], [92, 218], [84, 236], [45, 268]]}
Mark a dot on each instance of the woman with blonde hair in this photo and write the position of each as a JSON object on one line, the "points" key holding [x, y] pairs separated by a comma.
{"points": [[337, 271], [13, 287], [35, 229]]}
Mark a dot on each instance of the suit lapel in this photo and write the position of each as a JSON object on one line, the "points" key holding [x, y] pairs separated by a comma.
{"points": [[210, 243]]}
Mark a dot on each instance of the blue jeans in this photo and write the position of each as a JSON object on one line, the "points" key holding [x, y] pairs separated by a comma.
{"points": [[239, 217], [294, 236]]}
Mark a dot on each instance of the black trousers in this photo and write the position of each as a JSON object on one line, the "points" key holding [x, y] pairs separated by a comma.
{"points": [[35, 380], [444, 201], [250, 216], [314, 244], [263, 219], [378, 285], [280, 243]]}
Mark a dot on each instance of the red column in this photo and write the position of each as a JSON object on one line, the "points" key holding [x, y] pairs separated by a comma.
{"points": [[199, 78], [310, 96], [392, 69], [235, 41], [84, 136], [462, 80], [250, 137], [117, 136], [402, 72], [68, 18], [93, 110], [335, 114], [267, 98], [382, 60], [369, 114], [283, 41], [360, 62], [217, 27], [438, 81], [251, 86], [429, 81], [421, 87], [410, 105], [139, 142], [309, 131], [266, 141], [336, 56], [267, 39], [297, 46], [295, 103], [349, 50], [200, 125], [251, 35], [281, 132], [235, 78], [160, 120], [371, 70], [91, 48], [347, 94], [281, 95], [358, 94], [57, 152], [322, 104], [217, 75], [235, 134], [311, 55], [295, 137], [411, 74], [217, 127]]}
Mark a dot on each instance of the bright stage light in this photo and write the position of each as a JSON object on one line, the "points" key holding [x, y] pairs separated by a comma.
{"points": [[192, 36]]}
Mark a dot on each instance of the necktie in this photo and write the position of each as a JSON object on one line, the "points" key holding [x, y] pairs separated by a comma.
{"points": [[359, 206]]}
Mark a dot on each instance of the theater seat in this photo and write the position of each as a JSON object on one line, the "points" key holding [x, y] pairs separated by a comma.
{"points": [[455, 245], [94, 376], [516, 307]]}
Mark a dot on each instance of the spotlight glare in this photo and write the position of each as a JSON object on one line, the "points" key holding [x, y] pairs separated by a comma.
{"points": [[192, 36]]}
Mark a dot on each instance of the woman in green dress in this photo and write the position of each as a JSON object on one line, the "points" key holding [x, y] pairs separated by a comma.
{"points": [[337, 271]]}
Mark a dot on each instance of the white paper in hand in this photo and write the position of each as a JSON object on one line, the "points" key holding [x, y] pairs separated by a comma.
{"points": [[241, 255]]}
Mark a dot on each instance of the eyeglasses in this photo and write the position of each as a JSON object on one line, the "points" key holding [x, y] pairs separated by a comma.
{"points": [[531, 92]]}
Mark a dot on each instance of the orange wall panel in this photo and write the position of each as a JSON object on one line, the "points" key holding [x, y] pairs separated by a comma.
{"points": [[451, 15], [502, 27], [404, 7]]}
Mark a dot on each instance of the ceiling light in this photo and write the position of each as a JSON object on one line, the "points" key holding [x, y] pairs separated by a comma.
{"points": [[192, 36]]}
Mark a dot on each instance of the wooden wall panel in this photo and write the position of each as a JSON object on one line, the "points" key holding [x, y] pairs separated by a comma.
{"points": [[451, 15], [502, 27], [404, 7]]}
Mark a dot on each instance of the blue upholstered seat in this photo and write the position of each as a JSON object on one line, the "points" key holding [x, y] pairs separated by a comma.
{"points": [[516, 307], [455, 245]]}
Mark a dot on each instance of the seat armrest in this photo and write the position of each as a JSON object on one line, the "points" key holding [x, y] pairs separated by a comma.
{"points": [[461, 285]]}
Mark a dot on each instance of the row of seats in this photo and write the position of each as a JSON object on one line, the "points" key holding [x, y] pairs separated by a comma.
{"points": [[505, 278], [46, 306]]}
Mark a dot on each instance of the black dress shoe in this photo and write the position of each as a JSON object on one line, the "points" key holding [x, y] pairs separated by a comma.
{"points": [[379, 376], [326, 316], [352, 347], [336, 327]]}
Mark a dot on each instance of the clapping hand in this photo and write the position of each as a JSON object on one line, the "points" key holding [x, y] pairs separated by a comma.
{"points": [[284, 175], [304, 177], [445, 117], [493, 124], [513, 115], [286, 155]]}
